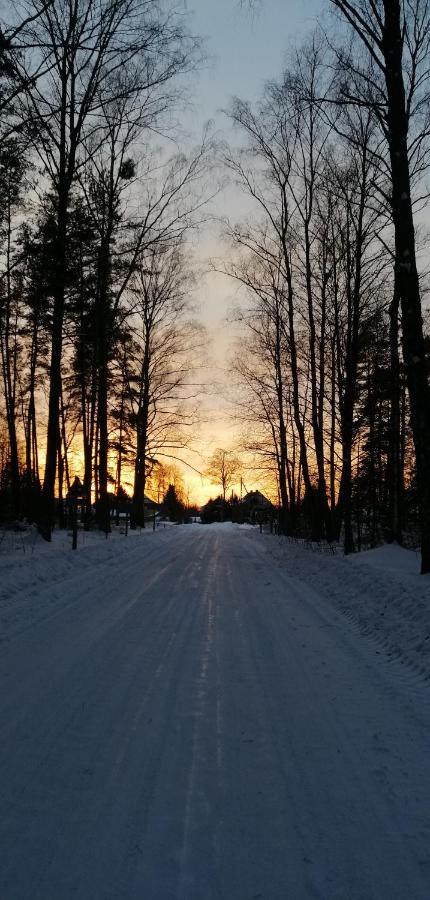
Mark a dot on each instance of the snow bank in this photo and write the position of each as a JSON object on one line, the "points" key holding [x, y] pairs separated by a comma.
{"points": [[390, 559], [380, 590], [37, 577]]}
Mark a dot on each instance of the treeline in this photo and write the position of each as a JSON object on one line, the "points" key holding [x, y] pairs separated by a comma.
{"points": [[97, 336], [333, 358]]}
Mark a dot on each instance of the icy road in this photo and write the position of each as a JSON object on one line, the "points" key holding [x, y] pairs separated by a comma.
{"points": [[189, 721]]}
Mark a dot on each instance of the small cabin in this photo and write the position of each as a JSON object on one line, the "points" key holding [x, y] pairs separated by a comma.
{"points": [[256, 508]]}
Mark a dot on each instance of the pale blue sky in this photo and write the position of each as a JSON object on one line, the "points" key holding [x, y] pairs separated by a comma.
{"points": [[245, 49]]}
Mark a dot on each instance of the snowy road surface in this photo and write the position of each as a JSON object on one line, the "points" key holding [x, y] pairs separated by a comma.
{"points": [[188, 721]]}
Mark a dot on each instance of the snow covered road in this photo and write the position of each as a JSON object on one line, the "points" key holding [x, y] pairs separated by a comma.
{"points": [[189, 721]]}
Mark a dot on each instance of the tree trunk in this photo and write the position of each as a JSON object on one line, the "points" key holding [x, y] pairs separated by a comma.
{"points": [[315, 516], [8, 344], [405, 262], [120, 447], [103, 516], [53, 431], [103, 335], [317, 390], [283, 449], [61, 516], [333, 429], [31, 472], [142, 437], [348, 389], [394, 469]]}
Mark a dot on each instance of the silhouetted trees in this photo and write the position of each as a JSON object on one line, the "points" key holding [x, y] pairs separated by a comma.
{"points": [[83, 89], [98, 343], [162, 359], [172, 506], [224, 469], [389, 75], [320, 335]]}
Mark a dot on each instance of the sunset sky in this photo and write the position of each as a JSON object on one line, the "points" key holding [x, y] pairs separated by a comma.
{"points": [[244, 48]]}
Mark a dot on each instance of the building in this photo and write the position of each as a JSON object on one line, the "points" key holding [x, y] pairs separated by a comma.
{"points": [[256, 508]]}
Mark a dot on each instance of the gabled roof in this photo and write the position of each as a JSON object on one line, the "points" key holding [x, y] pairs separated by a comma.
{"points": [[256, 498]]}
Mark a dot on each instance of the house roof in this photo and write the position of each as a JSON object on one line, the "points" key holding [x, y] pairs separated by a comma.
{"points": [[256, 498]]}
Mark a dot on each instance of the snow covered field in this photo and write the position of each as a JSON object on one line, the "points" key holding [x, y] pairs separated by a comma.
{"points": [[206, 713]]}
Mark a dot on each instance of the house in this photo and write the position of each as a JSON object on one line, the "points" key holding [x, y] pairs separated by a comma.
{"points": [[122, 507], [255, 507]]}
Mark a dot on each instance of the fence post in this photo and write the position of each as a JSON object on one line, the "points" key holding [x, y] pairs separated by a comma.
{"points": [[74, 525]]}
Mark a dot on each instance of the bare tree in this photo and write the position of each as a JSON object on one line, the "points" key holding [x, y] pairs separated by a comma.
{"points": [[82, 46], [224, 469], [393, 81], [163, 358], [263, 367], [12, 183], [170, 198], [314, 264]]}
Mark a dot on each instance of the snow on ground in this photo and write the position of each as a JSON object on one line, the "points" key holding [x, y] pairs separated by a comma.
{"points": [[37, 577], [381, 590], [188, 715]]}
